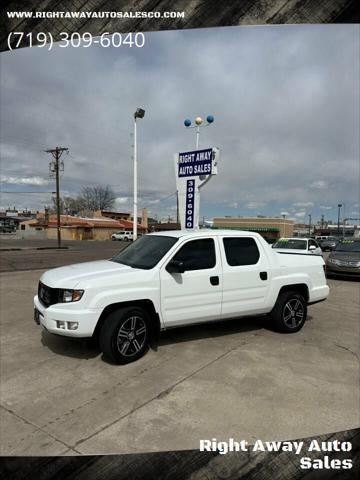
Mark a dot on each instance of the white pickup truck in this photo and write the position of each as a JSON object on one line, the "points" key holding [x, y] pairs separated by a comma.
{"points": [[175, 278]]}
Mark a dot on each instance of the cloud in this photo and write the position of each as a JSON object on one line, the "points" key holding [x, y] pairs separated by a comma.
{"points": [[284, 213], [320, 184], [303, 204], [285, 102], [255, 205], [326, 207], [25, 180], [300, 214], [121, 200]]}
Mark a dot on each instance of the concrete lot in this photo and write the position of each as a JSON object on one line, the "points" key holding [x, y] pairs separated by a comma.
{"points": [[235, 379]]}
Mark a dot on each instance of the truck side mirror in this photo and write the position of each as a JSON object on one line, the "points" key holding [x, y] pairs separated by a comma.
{"points": [[312, 247], [174, 266]]}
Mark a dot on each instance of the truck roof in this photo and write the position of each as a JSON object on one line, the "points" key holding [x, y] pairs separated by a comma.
{"points": [[204, 232]]}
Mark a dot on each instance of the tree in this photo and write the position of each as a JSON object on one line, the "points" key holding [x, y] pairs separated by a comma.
{"points": [[97, 197], [68, 205], [89, 200]]}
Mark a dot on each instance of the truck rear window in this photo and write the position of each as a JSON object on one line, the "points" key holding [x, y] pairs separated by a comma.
{"points": [[146, 252]]}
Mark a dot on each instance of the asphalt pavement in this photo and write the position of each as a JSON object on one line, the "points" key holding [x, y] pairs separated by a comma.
{"points": [[18, 255]]}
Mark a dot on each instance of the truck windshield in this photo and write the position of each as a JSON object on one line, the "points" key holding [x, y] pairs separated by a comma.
{"points": [[146, 252]]}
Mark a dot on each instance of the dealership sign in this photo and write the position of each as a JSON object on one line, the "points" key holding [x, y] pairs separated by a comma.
{"points": [[195, 163], [193, 169]]}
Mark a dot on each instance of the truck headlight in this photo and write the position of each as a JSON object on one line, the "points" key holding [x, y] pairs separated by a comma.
{"points": [[67, 296]]}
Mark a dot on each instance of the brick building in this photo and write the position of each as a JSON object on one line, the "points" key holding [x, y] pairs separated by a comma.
{"points": [[75, 228], [270, 228]]}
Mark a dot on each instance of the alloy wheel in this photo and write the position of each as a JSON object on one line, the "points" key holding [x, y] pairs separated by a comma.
{"points": [[293, 313], [131, 336]]}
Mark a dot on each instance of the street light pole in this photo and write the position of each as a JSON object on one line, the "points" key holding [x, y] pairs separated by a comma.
{"points": [[197, 137], [309, 224], [135, 185], [138, 114], [339, 207]]}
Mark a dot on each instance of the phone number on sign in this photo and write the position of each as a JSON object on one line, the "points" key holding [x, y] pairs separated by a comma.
{"points": [[85, 40]]}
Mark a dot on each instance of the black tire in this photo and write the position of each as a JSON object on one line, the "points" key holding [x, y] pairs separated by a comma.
{"points": [[122, 335], [289, 313], [113, 239]]}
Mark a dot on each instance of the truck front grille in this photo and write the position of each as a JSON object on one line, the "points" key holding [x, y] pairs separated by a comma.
{"points": [[47, 295]]}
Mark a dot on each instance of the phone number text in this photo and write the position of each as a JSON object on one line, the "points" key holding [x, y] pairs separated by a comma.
{"points": [[85, 40]]}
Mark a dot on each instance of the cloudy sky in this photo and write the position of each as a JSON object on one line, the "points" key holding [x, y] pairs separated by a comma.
{"points": [[285, 101]]}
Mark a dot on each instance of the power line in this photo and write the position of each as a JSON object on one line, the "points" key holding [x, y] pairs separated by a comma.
{"points": [[7, 192], [160, 199]]}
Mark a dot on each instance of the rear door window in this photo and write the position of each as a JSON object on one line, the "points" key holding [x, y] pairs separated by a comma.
{"points": [[241, 251]]}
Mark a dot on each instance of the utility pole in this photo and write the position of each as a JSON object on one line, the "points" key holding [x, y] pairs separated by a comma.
{"points": [[54, 168], [309, 224]]}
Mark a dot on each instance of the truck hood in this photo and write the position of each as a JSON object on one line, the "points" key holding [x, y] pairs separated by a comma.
{"points": [[72, 275]]}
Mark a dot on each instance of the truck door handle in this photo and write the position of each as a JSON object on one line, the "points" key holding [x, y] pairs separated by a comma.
{"points": [[214, 280], [263, 275]]}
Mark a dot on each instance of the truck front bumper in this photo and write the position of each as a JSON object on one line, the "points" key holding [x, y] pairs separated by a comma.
{"points": [[60, 320]]}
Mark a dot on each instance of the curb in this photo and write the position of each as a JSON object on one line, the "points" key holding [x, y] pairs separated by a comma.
{"points": [[32, 248]]}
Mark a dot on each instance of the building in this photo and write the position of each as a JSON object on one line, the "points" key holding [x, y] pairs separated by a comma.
{"points": [[164, 226], [11, 218], [269, 228], [123, 217], [302, 230], [74, 228], [334, 230], [114, 215]]}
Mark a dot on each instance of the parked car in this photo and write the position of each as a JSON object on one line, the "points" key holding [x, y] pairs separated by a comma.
{"points": [[302, 246], [344, 260], [175, 278], [126, 236], [328, 244], [4, 228]]}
